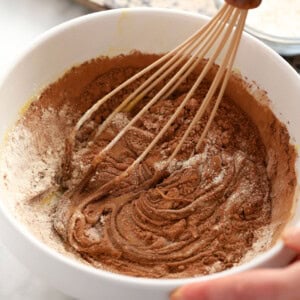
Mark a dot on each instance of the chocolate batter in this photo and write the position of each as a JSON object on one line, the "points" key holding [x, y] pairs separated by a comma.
{"points": [[199, 215]]}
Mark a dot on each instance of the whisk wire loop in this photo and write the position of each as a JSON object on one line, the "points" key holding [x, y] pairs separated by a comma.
{"points": [[229, 59], [215, 83], [152, 66], [223, 34]]}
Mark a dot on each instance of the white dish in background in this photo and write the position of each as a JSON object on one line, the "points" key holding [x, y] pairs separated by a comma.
{"points": [[277, 23], [112, 33]]}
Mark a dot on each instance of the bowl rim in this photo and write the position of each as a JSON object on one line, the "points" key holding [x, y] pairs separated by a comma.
{"points": [[100, 273]]}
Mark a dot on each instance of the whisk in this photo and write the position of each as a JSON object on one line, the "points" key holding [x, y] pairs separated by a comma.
{"points": [[223, 34]]}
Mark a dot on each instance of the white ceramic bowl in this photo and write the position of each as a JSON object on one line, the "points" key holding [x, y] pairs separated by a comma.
{"points": [[112, 33]]}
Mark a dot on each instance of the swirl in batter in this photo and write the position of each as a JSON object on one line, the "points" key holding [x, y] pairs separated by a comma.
{"points": [[198, 216]]}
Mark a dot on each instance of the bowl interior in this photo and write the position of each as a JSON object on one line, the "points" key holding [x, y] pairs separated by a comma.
{"points": [[147, 30]]}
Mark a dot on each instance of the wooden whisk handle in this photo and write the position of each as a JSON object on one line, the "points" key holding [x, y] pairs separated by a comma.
{"points": [[244, 4]]}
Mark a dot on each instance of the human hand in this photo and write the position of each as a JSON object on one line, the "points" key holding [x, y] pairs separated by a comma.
{"points": [[264, 284]]}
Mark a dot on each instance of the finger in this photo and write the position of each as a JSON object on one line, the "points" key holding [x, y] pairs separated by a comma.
{"points": [[258, 285], [293, 274], [291, 238], [296, 259]]}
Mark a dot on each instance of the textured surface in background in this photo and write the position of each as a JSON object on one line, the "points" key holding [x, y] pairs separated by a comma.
{"points": [[295, 62]]}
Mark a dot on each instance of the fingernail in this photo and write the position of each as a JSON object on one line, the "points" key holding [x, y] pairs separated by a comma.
{"points": [[290, 234], [177, 295]]}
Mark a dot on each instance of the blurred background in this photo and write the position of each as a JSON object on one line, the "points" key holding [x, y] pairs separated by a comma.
{"points": [[277, 23]]}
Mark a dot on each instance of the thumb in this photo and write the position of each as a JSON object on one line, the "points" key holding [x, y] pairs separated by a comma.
{"points": [[258, 285], [291, 238]]}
